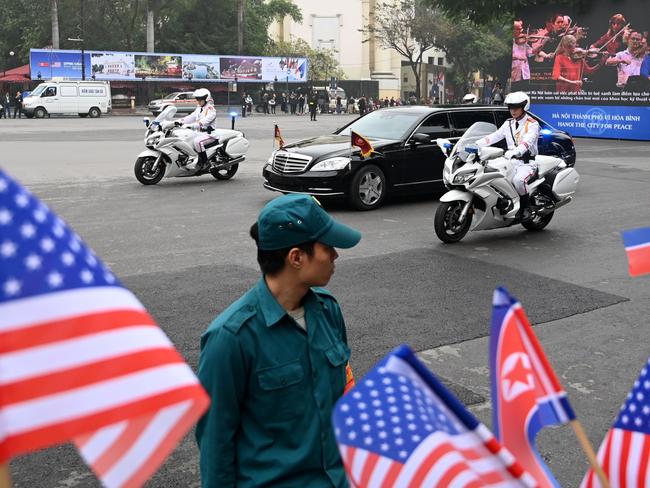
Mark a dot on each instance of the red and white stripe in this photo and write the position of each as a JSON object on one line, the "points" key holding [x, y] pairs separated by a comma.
{"points": [[463, 460], [92, 365], [625, 458]]}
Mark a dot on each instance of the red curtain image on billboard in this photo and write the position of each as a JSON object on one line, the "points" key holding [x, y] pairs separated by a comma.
{"points": [[152, 66], [241, 68], [591, 64]]}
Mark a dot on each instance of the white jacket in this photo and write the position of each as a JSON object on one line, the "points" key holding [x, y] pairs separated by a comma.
{"points": [[520, 138], [202, 118]]}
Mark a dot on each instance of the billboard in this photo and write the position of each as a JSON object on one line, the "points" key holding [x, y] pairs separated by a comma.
{"points": [[46, 64], [586, 70], [200, 67], [113, 66]]}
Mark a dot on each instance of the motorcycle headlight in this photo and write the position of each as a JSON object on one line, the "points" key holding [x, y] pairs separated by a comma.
{"points": [[464, 177], [332, 164]]}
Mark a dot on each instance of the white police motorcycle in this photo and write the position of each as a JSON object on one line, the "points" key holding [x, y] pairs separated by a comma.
{"points": [[481, 195], [170, 151]]}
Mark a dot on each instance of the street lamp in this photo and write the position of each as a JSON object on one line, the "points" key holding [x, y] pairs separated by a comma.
{"points": [[83, 62]]}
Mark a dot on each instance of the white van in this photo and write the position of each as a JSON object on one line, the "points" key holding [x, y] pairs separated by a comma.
{"points": [[83, 98]]}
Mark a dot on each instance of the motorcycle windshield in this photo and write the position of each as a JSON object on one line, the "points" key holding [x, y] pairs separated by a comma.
{"points": [[166, 114], [473, 134]]}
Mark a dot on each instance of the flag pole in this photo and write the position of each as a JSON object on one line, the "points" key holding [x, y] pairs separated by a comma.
{"points": [[5, 476], [274, 132], [589, 452]]}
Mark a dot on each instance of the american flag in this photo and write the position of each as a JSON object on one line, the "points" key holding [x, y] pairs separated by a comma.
{"points": [[625, 453], [399, 427], [80, 358], [526, 394]]}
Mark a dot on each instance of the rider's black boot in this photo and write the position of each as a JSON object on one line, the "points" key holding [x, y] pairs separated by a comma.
{"points": [[524, 207], [203, 161]]}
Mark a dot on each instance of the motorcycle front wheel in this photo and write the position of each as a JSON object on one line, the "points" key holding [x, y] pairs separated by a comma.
{"points": [[446, 221], [145, 172], [225, 173]]}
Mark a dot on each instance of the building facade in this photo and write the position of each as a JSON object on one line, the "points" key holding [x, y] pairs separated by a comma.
{"points": [[337, 25]]}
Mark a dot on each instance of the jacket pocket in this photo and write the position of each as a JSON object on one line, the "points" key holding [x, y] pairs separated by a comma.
{"points": [[281, 394], [338, 354]]}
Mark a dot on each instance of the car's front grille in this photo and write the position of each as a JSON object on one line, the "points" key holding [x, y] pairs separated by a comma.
{"points": [[285, 162]]}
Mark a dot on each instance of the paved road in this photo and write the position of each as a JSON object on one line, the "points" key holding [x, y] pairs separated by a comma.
{"points": [[182, 247]]}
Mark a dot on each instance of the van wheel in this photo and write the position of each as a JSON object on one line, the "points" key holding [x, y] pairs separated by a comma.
{"points": [[40, 112], [94, 113]]}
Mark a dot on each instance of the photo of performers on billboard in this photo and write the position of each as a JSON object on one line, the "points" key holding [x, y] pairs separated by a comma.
{"points": [[600, 55]]}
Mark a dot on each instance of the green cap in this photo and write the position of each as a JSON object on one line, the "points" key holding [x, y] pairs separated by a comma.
{"points": [[296, 218]]}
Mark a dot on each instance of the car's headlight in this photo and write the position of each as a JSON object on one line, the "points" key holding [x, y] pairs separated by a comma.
{"points": [[332, 164], [270, 160], [464, 177]]}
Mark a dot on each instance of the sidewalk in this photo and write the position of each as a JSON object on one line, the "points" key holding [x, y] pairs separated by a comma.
{"points": [[222, 109]]}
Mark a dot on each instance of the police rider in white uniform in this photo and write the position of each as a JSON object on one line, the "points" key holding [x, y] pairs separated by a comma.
{"points": [[203, 121], [521, 133]]}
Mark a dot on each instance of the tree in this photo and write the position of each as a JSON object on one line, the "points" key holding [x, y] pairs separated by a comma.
{"points": [[210, 26], [405, 27], [322, 62], [55, 23], [483, 11], [470, 47]]}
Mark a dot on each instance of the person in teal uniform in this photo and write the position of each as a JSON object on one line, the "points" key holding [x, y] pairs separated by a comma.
{"points": [[276, 361]]}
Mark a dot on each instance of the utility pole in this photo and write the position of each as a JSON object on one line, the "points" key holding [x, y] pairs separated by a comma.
{"points": [[240, 26], [81, 24]]}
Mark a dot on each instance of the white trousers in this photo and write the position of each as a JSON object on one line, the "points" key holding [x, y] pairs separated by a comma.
{"points": [[522, 174], [201, 139]]}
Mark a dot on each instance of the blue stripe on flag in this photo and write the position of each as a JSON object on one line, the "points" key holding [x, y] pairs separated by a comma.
{"points": [[636, 237]]}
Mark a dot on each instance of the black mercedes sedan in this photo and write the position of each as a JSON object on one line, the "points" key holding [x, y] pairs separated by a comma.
{"points": [[406, 159]]}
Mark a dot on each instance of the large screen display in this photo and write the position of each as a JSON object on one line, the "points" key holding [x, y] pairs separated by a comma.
{"points": [[46, 64], [587, 71]]}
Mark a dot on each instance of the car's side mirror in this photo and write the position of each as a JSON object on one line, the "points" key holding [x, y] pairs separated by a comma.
{"points": [[444, 145], [419, 138]]}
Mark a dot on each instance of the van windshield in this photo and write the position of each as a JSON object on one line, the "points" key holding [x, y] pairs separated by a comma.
{"points": [[39, 89]]}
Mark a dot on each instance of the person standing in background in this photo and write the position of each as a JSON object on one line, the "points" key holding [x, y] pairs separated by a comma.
{"points": [[18, 105]]}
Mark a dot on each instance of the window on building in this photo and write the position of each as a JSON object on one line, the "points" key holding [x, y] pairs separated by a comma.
{"points": [[441, 61], [406, 79], [431, 60]]}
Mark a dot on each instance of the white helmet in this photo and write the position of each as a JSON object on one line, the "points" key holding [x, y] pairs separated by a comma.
{"points": [[202, 94], [517, 100], [470, 98]]}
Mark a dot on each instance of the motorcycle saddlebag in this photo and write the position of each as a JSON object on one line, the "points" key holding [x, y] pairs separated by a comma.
{"points": [[565, 183], [237, 147]]}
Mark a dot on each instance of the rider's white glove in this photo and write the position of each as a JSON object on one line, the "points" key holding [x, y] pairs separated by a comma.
{"points": [[509, 154]]}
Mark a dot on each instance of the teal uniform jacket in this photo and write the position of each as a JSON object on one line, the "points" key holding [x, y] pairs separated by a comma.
{"points": [[273, 388]]}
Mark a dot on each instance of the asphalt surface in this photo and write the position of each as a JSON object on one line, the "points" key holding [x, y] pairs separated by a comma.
{"points": [[182, 246]]}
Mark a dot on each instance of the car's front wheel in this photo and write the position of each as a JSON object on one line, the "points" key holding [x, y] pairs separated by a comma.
{"points": [[368, 188]]}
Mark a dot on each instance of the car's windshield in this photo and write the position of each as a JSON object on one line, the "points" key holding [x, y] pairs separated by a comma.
{"points": [[473, 134], [39, 89], [383, 124], [170, 96]]}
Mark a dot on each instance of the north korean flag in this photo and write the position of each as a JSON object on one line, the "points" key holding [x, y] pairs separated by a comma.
{"points": [[526, 393], [637, 247], [362, 143]]}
